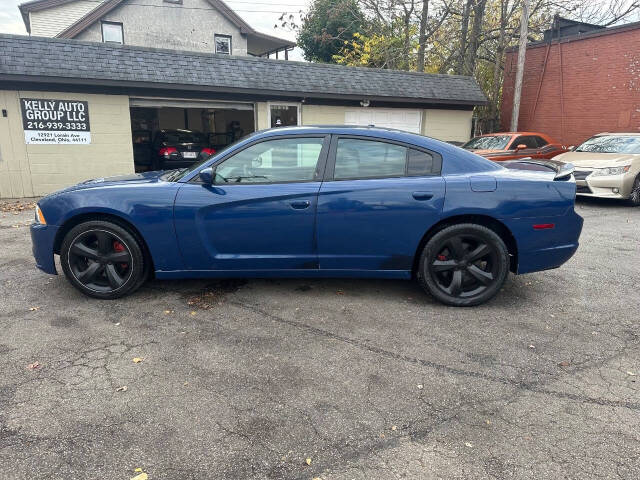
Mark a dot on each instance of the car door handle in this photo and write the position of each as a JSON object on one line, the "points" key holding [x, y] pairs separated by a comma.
{"points": [[422, 195], [301, 205]]}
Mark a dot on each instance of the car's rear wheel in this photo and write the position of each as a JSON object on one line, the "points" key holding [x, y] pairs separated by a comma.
{"points": [[102, 260], [464, 265], [634, 198]]}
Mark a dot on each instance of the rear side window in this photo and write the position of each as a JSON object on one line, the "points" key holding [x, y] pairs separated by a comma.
{"points": [[368, 159], [419, 163], [356, 158]]}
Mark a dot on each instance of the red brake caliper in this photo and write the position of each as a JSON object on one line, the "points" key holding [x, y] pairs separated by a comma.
{"points": [[119, 247], [442, 258]]}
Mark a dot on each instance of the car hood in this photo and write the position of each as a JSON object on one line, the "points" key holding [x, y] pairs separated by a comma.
{"points": [[486, 152], [597, 160], [133, 178]]}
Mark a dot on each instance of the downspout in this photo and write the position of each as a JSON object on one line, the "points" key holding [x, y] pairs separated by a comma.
{"points": [[561, 93]]}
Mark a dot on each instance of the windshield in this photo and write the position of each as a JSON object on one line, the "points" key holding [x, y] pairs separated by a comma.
{"points": [[611, 144], [175, 175], [493, 142], [183, 136]]}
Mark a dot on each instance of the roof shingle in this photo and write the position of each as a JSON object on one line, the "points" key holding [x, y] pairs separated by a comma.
{"points": [[60, 59]]}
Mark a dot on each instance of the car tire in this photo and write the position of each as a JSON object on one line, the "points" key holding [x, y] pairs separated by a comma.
{"points": [[464, 265], [103, 260], [634, 197]]}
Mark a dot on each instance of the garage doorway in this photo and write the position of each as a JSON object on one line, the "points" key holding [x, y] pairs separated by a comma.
{"points": [[203, 127], [409, 120]]}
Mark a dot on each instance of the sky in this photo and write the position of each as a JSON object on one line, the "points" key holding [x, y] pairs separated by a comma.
{"points": [[260, 14]]}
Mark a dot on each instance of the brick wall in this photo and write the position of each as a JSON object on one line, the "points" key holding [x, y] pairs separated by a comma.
{"points": [[599, 79]]}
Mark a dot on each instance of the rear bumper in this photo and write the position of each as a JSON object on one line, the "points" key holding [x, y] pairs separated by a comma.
{"points": [[42, 240], [546, 248]]}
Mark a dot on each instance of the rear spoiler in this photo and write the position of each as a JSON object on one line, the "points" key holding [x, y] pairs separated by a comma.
{"points": [[563, 171]]}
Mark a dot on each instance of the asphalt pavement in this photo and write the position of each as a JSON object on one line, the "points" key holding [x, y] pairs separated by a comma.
{"points": [[329, 379]]}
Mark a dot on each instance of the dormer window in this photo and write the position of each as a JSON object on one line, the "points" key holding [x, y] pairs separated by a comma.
{"points": [[112, 32], [223, 44]]}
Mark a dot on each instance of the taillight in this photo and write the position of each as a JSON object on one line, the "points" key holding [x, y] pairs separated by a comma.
{"points": [[208, 151], [167, 151]]}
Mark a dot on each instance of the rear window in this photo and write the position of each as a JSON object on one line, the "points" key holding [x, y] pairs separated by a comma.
{"points": [[611, 144], [494, 142], [183, 137]]}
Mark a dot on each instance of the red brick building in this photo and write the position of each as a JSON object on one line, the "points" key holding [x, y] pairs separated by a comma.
{"points": [[581, 80]]}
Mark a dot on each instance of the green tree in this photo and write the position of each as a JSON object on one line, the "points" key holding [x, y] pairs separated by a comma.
{"points": [[326, 27]]}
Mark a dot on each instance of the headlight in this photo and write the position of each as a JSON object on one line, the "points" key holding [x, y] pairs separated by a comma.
{"points": [[601, 172], [39, 216]]}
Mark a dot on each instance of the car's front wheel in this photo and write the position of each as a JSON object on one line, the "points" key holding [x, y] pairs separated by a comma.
{"points": [[102, 259], [464, 265], [634, 198]]}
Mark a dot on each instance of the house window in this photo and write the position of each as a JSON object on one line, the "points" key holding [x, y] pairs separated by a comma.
{"points": [[223, 44], [112, 32]]}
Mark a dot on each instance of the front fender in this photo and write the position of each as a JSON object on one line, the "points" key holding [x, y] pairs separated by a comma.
{"points": [[148, 208]]}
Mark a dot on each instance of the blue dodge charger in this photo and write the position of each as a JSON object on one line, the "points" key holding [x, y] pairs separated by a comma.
{"points": [[316, 202]]}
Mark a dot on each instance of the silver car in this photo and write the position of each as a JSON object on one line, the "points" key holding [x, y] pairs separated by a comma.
{"points": [[607, 166]]}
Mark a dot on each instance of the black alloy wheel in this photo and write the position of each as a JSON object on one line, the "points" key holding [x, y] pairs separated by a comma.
{"points": [[464, 265], [102, 259]]}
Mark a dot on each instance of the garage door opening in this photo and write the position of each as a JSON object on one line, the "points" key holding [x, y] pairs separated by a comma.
{"points": [[170, 134]]}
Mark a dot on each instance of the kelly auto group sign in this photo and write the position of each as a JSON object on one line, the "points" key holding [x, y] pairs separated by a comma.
{"points": [[55, 121]]}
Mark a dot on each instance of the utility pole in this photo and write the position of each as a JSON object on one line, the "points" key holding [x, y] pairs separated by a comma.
{"points": [[522, 51]]}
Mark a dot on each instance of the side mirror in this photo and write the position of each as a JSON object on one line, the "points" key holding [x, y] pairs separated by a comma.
{"points": [[522, 146], [206, 176], [571, 148]]}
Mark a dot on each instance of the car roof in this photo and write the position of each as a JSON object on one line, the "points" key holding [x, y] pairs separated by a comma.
{"points": [[369, 131]]}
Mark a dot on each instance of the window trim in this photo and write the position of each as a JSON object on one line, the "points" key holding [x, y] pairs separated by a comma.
{"points": [[331, 162], [102, 24], [215, 44], [320, 166]]}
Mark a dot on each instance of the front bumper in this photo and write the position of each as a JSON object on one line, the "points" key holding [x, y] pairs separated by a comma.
{"points": [[610, 186], [42, 240]]}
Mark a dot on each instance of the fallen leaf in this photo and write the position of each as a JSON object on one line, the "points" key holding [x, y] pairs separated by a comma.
{"points": [[137, 360], [488, 422], [167, 312], [631, 373], [141, 476], [308, 461], [122, 389], [117, 324], [193, 313], [394, 428], [532, 347], [138, 470], [34, 365], [467, 444], [564, 363], [420, 387], [34, 309]]}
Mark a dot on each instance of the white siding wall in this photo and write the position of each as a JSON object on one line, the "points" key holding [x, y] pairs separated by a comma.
{"points": [[50, 22]]}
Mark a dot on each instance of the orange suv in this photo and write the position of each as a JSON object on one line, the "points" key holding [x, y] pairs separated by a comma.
{"points": [[515, 145]]}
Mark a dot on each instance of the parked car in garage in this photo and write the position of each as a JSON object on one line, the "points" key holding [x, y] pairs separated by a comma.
{"points": [[179, 148], [316, 202], [608, 166], [513, 145]]}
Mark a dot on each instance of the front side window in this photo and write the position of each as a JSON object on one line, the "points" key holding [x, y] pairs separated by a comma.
{"points": [[112, 33], [223, 44], [541, 141], [273, 161], [611, 144], [529, 142]]}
